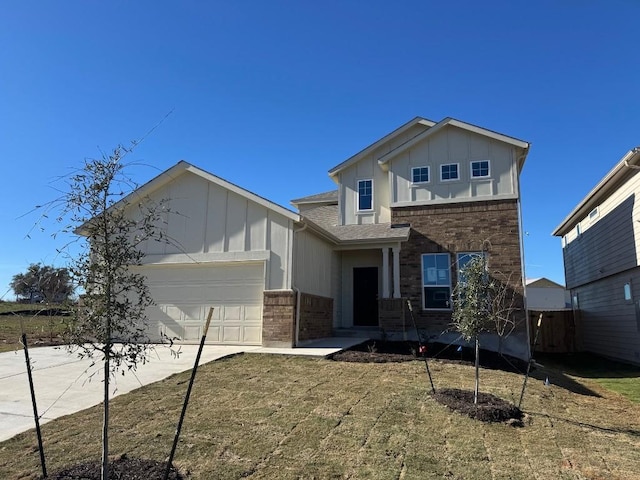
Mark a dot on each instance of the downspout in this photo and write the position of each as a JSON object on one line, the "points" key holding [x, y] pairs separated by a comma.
{"points": [[523, 280], [296, 340]]}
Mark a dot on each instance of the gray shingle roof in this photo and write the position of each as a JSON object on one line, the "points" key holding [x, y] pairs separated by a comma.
{"points": [[324, 197], [326, 218]]}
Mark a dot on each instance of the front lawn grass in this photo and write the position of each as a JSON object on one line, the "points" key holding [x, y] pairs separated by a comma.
{"points": [[618, 377], [41, 329], [265, 416]]}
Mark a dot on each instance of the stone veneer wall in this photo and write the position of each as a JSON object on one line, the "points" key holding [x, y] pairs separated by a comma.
{"points": [[278, 318], [316, 317], [393, 315], [454, 228]]}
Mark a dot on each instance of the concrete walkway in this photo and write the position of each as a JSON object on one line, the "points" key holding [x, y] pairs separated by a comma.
{"points": [[64, 383]]}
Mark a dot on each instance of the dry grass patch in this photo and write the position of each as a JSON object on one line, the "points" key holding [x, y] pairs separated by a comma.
{"points": [[262, 417], [43, 325]]}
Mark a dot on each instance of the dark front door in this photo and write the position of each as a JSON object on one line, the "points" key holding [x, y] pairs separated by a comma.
{"points": [[365, 296]]}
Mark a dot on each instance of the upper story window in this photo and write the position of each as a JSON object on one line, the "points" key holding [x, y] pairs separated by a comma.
{"points": [[365, 195], [593, 214], [420, 175], [480, 169], [436, 281], [449, 171]]}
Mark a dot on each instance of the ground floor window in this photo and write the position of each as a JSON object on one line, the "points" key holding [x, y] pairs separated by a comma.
{"points": [[436, 280], [463, 259]]}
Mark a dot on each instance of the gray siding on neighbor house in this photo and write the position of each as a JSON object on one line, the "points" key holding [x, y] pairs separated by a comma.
{"points": [[609, 324], [604, 249]]}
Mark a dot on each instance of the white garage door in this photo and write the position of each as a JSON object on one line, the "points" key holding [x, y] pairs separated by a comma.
{"points": [[184, 293]]}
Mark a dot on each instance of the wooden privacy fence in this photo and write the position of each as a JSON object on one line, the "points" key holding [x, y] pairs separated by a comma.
{"points": [[558, 332]]}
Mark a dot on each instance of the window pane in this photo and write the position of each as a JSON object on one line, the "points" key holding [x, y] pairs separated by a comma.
{"points": [[480, 169], [449, 171], [435, 269], [365, 197], [420, 174], [437, 297]]}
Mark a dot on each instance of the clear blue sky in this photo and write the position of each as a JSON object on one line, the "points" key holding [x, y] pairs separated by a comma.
{"points": [[271, 95]]}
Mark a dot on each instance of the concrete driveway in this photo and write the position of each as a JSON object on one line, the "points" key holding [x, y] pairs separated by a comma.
{"points": [[63, 382]]}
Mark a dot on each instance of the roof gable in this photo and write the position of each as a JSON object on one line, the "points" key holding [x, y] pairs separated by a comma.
{"points": [[181, 167], [366, 151], [432, 128], [543, 282], [382, 161]]}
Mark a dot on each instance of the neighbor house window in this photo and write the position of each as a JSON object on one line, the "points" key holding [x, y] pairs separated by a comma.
{"points": [[365, 194], [436, 280], [593, 214], [480, 169], [627, 291], [449, 171], [420, 175]]}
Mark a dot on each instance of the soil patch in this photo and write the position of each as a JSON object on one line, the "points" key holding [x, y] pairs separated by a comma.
{"points": [[122, 468], [381, 352], [488, 409]]}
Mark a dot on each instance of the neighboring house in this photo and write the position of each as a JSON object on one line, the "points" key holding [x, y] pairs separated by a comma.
{"points": [[601, 249], [544, 295], [408, 211]]}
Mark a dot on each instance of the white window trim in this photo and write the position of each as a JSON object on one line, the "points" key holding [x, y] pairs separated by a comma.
{"points": [[365, 210], [594, 214], [428, 167], [422, 285], [488, 175], [449, 179]]}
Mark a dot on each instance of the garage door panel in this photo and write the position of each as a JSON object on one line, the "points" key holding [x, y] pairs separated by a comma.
{"points": [[184, 295]]}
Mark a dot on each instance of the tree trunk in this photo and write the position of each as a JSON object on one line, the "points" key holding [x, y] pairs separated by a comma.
{"points": [[105, 421], [477, 388]]}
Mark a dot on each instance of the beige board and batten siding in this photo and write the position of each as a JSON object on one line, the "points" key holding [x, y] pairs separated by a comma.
{"points": [[316, 267], [313, 264], [367, 168], [215, 234], [452, 145]]}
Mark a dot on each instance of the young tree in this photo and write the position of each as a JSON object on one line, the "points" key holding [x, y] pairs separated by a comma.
{"points": [[43, 282], [482, 302], [472, 312], [110, 322]]}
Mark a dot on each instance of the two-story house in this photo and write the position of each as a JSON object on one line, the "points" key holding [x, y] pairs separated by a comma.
{"points": [[601, 251], [408, 211]]}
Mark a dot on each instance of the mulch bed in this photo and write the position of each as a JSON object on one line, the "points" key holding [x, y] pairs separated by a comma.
{"points": [[121, 468], [381, 352], [488, 409]]}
